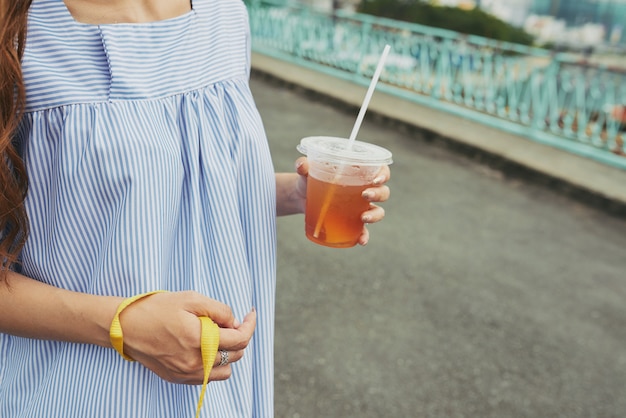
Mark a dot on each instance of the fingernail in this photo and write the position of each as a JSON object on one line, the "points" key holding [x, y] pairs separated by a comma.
{"points": [[366, 218], [367, 195], [236, 323], [378, 180], [299, 164]]}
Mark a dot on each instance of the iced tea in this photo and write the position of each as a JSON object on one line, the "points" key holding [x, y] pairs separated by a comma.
{"points": [[339, 207]]}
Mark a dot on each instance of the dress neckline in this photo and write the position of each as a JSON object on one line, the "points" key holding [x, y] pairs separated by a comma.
{"points": [[184, 15]]}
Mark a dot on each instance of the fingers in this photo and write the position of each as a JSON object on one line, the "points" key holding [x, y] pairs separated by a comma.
{"points": [[219, 312], [225, 357], [234, 339], [365, 236], [376, 194], [379, 192], [162, 332], [383, 175], [374, 214], [232, 347], [220, 373], [302, 166]]}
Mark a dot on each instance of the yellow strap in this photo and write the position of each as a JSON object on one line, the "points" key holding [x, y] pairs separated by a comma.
{"points": [[209, 342], [115, 331]]}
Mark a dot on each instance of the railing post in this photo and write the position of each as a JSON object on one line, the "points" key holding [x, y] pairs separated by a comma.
{"points": [[366, 30]]}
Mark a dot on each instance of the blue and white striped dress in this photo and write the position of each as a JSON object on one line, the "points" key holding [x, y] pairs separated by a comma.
{"points": [[149, 169]]}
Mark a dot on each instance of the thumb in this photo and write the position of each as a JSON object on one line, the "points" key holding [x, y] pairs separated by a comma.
{"points": [[219, 312], [302, 166]]}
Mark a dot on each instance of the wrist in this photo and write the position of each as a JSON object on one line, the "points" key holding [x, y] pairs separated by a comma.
{"points": [[33, 309], [97, 312], [289, 199], [116, 336]]}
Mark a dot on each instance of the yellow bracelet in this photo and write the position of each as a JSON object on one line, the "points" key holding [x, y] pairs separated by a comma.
{"points": [[115, 331], [209, 341]]}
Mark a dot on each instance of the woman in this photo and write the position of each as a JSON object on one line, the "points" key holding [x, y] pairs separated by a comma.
{"points": [[147, 168]]}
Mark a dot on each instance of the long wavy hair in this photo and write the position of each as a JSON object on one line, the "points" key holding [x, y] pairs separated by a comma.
{"points": [[13, 178]]}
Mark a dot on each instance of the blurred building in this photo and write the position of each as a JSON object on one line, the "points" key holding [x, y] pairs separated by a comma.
{"points": [[581, 22], [463, 4], [610, 14], [514, 12]]}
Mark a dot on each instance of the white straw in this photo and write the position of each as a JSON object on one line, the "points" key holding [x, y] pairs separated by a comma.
{"points": [[355, 130], [368, 95]]}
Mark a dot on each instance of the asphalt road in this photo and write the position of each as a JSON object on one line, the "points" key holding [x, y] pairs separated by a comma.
{"points": [[478, 296]]}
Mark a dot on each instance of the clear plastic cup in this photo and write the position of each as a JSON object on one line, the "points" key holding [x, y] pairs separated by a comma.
{"points": [[338, 174]]}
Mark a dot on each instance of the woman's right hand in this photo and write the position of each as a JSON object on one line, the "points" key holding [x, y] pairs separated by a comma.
{"points": [[162, 332]]}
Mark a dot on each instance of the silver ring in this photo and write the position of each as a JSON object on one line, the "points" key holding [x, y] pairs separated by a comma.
{"points": [[224, 358]]}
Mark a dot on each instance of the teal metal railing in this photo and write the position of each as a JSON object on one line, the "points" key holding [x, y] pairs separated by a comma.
{"points": [[549, 98]]}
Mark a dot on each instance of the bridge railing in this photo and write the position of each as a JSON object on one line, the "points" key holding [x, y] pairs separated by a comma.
{"points": [[546, 97]]}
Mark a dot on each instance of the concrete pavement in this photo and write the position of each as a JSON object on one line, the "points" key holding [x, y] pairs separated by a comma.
{"points": [[480, 295]]}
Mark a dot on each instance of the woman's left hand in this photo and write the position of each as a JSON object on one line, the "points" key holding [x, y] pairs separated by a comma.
{"points": [[379, 192]]}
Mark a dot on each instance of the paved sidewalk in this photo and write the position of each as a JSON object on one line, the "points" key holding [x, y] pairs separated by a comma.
{"points": [[481, 295]]}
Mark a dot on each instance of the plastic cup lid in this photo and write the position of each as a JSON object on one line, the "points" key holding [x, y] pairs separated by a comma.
{"points": [[336, 149]]}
